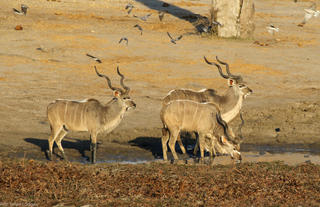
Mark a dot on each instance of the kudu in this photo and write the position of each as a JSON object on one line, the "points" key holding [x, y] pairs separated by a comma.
{"points": [[88, 115], [230, 102], [203, 118]]}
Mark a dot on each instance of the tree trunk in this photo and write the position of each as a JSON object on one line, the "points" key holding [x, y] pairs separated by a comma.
{"points": [[236, 17]]}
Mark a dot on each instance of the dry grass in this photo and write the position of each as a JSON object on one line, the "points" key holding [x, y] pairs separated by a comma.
{"points": [[155, 184]]}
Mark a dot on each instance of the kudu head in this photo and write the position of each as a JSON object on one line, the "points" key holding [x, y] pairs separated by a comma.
{"points": [[122, 95], [228, 144], [234, 81]]}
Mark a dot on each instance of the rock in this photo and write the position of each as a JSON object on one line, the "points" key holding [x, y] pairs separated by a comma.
{"points": [[18, 27]]}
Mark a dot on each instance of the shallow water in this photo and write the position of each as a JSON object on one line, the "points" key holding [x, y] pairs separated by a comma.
{"points": [[125, 154], [293, 148]]}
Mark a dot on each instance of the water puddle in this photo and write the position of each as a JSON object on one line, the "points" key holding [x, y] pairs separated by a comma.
{"points": [[290, 154], [289, 148]]}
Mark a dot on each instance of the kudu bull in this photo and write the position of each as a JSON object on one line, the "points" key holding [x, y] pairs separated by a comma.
{"points": [[230, 102], [204, 118], [88, 115]]}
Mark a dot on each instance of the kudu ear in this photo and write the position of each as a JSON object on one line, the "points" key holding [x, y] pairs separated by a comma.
{"points": [[116, 93], [223, 140], [231, 82]]}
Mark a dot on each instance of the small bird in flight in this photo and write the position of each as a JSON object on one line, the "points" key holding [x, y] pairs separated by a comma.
{"points": [[272, 29], [174, 40], [161, 15], [139, 28], [23, 11], [309, 13], [144, 18], [202, 28], [95, 58], [129, 7], [216, 23], [123, 39]]}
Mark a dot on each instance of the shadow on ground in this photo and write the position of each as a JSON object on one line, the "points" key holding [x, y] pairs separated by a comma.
{"points": [[80, 145], [154, 145], [176, 11]]}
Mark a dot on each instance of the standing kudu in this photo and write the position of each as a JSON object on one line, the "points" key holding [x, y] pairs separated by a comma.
{"points": [[88, 115], [230, 102], [203, 118]]}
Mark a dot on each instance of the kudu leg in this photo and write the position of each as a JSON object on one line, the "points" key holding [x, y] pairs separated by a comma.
{"points": [[93, 147], [181, 144], [196, 147], [58, 140], [164, 141], [172, 143], [54, 133], [202, 145], [212, 150]]}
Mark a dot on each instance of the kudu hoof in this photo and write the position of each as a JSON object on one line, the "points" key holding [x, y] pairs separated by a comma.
{"points": [[64, 157], [49, 155]]}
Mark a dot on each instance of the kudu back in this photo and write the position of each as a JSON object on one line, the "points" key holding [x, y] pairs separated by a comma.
{"points": [[88, 115], [230, 102]]}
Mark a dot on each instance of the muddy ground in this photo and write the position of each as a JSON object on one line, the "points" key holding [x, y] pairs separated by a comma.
{"points": [[47, 61]]}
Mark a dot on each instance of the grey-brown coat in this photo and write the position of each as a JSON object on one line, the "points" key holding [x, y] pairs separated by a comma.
{"points": [[230, 102], [88, 115], [203, 118]]}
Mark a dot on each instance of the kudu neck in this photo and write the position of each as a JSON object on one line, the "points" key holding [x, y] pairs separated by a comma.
{"points": [[230, 103], [114, 107]]}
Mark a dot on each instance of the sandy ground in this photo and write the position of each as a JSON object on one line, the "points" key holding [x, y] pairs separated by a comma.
{"points": [[283, 74]]}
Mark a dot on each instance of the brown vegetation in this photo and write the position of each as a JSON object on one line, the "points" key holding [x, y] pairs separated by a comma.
{"points": [[155, 184]]}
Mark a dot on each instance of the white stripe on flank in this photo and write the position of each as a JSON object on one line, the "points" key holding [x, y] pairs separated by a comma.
{"points": [[195, 113], [183, 115], [200, 115], [75, 114], [65, 112], [81, 117]]}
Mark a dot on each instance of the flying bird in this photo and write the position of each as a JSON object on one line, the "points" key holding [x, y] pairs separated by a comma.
{"points": [[202, 28], [95, 58], [216, 23], [309, 13], [174, 40], [272, 29], [123, 39], [161, 15], [139, 28], [144, 18], [129, 7], [23, 11]]}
